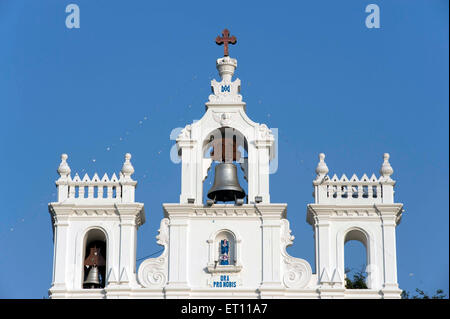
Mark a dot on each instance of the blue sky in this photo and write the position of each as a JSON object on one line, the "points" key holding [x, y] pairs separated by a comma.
{"points": [[137, 69]]}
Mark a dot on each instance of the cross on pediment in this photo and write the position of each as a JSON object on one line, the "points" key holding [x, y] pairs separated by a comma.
{"points": [[225, 39]]}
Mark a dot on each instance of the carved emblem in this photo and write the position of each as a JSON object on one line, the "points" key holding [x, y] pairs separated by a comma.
{"points": [[224, 119]]}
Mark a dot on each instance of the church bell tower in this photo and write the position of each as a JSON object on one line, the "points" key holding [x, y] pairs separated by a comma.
{"points": [[225, 240], [233, 240], [95, 222]]}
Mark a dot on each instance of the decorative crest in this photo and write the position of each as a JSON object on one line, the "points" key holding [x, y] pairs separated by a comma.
{"points": [[225, 39]]}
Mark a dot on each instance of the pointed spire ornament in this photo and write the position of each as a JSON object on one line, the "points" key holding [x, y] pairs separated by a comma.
{"points": [[124, 275], [336, 277], [386, 169], [63, 169], [322, 168], [127, 168], [325, 278], [112, 276]]}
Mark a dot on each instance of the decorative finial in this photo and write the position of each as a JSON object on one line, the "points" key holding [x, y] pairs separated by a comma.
{"points": [[386, 169], [225, 39], [64, 169], [127, 168], [322, 168]]}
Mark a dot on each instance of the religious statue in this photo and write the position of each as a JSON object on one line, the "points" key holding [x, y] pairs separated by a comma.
{"points": [[224, 252]]}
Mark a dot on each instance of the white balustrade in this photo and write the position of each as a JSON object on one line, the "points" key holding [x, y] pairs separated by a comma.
{"points": [[364, 190], [107, 189]]}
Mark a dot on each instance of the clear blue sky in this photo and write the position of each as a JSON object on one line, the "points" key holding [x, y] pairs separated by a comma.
{"points": [[309, 68]]}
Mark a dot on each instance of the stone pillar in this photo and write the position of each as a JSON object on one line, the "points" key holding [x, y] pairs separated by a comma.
{"points": [[272, 271], [271, 253], [323, 267], [178, 258], [264, 143], [60, 254], [127, 243], [263, 176], [389, 217], [188, 167]]}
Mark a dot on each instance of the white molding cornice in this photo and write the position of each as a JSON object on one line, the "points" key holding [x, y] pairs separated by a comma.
{"points": [[265, 211], [116, 211]]}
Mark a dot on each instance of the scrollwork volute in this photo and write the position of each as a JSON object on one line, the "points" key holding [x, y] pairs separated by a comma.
{"points": [[153, 272], [297, 272]]}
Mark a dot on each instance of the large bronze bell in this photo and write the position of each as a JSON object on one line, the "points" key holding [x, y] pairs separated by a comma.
{"points": [[226, 186], [92, 279]]}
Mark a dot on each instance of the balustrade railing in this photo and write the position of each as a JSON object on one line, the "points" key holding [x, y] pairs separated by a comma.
{"points": [[98, 189], [354, 190]]}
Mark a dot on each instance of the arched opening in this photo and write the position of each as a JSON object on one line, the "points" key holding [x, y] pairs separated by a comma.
{"points": [[225, 244], [94, 259], [356, 259], [225, 146]]}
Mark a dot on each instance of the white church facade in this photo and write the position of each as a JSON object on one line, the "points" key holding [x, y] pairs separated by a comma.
{"points": [[232, 245]]}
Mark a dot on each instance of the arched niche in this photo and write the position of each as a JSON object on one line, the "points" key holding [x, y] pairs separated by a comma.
{"points": [[356, 247], [225, 246], [95, 238], [192, 144], [216, 252]]}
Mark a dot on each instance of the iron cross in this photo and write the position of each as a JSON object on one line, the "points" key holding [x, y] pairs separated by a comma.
{"points": [[225, 39]]}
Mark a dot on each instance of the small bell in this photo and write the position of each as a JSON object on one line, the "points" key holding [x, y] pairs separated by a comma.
{"points": [[94, 260], [93, 278]]}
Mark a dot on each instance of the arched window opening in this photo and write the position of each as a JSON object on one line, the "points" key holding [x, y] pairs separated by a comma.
{"points": [[226, 182], [355, 259], [94, 261]]}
